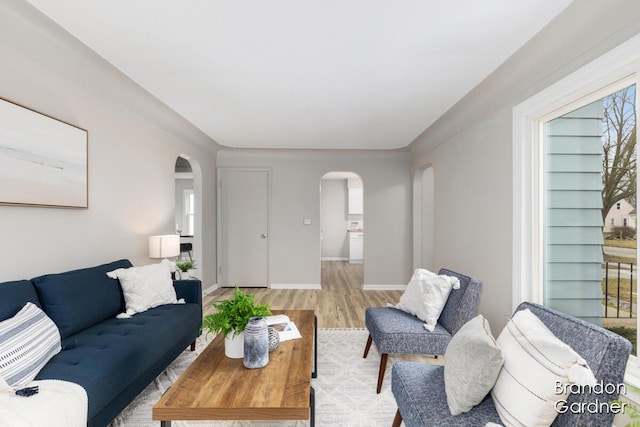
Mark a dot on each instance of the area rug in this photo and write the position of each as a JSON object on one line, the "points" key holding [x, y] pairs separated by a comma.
{"points": [[345, 387]]}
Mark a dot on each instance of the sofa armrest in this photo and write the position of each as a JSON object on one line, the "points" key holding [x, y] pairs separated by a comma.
{"points": [[190, 290]]}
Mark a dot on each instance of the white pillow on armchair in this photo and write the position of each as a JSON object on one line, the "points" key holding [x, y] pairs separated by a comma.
{"points": [[426, 296], [538, 368]]}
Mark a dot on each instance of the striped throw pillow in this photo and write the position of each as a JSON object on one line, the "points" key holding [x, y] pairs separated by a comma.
{"points": [[536, 365], [27, 341]]}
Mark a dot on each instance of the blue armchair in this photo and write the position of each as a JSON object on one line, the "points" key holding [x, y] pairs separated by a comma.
{"points": [[397, 332], [419, 388]]}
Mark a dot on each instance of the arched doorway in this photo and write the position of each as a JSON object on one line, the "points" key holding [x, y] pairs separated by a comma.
{"points": [[188, 210], [342, 229], [185, 198]]}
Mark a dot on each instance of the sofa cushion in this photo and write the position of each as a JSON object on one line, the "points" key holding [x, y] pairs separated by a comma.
{"points": [[27, 341], [420, 393], [462, 304], [395, 331], [426, 295], [77, 299], [472, 363], [537, 369], [108, 357], [14, 295]]}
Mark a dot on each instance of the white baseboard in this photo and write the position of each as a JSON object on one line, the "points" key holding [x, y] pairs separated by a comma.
{"points": [[312, 286], [334, 258], [384, 287], [295, 286], [210, 289]]}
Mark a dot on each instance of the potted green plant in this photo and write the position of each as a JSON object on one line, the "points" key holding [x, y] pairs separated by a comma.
{"points": [[230, 319], [186, 268]]}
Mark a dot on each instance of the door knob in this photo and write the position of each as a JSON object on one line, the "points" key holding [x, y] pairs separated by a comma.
{"points": [[263, 236]]}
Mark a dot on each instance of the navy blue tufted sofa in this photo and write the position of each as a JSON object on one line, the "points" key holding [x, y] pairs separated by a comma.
{"points": [[113, 359]]}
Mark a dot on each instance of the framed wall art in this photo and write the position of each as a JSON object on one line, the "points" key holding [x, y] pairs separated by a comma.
{"points": [[43, 161]]}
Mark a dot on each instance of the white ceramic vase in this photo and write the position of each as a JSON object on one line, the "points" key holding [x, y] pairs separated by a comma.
{"points": [[234, 345], [184, 275]]}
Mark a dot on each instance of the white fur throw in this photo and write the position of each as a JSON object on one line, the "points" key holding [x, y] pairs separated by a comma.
{"points": [[57, 404]]}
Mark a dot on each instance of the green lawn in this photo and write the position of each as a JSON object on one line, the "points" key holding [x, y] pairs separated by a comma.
{"points": [[612, 258], [621, 243], [625, 288]]}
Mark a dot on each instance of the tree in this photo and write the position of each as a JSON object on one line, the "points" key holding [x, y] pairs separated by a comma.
{"points": [[619, 144]]}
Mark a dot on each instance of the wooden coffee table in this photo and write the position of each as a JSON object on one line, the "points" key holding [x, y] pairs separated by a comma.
{"points": [[216, 387]]}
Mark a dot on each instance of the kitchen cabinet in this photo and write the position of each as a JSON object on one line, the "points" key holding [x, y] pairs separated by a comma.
{"points": [[355, 201], [356, 247]]}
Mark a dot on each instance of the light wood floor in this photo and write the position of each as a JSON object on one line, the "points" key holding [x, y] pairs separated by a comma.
{"points": [[340, 303]]}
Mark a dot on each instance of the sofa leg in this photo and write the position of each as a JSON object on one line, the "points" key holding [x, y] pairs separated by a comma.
{"points": [[383, 367], [193, 346], [397, 420], [367, 347]]}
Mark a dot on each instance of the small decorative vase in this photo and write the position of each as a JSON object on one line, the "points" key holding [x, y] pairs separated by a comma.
{"points": [[256, 343], [274, 338], [234, 345]]}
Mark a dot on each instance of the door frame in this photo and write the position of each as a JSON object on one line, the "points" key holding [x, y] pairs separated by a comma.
{"points": [[219, 231]]}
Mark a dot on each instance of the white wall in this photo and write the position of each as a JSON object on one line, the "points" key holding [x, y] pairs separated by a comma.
{"points": [[296, 174], [134, 141], [334, 220], [423, 219], [470, 146]]}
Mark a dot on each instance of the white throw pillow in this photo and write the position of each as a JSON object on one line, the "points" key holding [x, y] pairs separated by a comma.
{"points": [[28, 341], [426, 296], [536, 362], [472, 363], [145, 287]]}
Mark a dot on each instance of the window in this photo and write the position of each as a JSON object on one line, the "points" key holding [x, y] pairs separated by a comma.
{"points": [[589, 164], [533, 237], [189, 212]]}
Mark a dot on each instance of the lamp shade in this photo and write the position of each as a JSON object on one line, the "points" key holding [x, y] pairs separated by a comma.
{"points": [[164, 246]]}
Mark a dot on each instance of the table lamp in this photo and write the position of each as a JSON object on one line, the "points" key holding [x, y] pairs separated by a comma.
{"points": [[164, 246]]}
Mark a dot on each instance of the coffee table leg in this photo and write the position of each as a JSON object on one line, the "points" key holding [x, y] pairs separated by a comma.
{"points": [[165, 423], [314, 374], [312, 408]]}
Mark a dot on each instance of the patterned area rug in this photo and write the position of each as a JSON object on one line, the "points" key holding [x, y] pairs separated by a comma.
{"points": [[345, 387]]}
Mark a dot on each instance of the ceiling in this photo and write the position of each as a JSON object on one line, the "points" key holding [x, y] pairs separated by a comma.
{"points": [[349, 74]]}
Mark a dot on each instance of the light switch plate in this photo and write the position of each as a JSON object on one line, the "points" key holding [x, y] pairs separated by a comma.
{"points": [[306, 221]]}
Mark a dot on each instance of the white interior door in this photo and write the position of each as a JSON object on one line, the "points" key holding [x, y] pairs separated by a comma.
{"points": [[243, 227]]}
